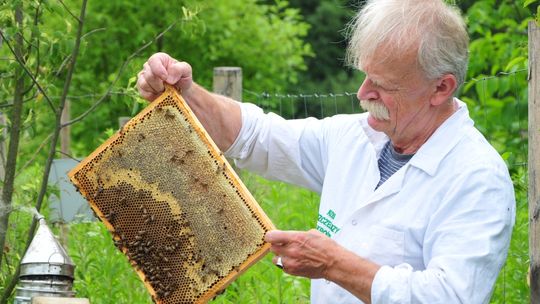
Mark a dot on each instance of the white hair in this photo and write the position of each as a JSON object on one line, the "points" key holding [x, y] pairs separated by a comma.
{"points": [[435, 30]]}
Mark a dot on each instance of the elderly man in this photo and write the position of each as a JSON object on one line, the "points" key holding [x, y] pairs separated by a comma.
{"points": [[416, 206]]}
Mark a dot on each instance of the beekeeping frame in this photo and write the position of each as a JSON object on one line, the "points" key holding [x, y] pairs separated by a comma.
{"points": [[174, 205]]}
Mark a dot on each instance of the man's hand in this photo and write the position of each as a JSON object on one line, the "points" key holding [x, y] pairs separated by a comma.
{"points": [[220, 116], [314, 255], [162, 68], [308, 254]]}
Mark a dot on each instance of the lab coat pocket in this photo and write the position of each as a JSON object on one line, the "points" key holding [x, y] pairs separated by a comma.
{"points": [[386, 245]]}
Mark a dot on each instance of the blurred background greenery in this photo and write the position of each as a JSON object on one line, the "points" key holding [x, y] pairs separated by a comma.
{"points": [[293, 48]]}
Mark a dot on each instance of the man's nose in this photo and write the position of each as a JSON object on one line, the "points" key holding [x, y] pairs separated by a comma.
{"points": [[367, 91]]}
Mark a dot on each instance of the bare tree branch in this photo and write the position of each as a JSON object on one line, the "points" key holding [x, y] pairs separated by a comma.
{"points": [[121, 92], [21, 63], [69, 11], [120, 71], [10, 102], [62, 65], [31, 160], [35, 37], [68, 155], [92, 32]]}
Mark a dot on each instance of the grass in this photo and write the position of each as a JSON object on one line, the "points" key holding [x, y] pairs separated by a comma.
{"points": [[511, 286], [104, 276]]}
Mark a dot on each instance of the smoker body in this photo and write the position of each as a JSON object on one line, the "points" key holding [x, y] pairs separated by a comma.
{"points": [[46, 269]]}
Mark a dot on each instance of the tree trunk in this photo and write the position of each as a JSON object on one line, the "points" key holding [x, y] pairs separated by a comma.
{"points": [[534, 161], [14, 135]]}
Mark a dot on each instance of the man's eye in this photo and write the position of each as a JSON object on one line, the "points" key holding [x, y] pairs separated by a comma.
{"points": [[385, 88], [376, 84], [380, 86]]}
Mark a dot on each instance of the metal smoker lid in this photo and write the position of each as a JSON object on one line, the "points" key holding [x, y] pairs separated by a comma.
{"points": [[45, 256]]}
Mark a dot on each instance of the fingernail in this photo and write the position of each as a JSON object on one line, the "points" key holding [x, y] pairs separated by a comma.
{"points": [[268, 235], [171, 79]]}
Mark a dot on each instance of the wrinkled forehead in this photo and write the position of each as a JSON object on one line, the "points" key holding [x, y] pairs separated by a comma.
{"points": [[391, 64]]}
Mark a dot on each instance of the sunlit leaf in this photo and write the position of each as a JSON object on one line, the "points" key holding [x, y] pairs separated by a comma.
{"points": [[515, 63], [529, 2]]}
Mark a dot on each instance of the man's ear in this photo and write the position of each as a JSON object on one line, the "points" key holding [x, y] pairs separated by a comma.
{"points": [[445, 88]]}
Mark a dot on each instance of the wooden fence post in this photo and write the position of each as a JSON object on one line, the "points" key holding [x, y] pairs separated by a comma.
{"points": [[3, 141], [65, 143], [534, 160], [65, 133], [228, 82]]}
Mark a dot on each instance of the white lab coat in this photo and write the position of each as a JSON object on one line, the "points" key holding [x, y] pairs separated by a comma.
{"points": [[440, 226]]}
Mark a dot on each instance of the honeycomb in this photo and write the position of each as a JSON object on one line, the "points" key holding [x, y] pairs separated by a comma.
{"points": [[173, 204]]}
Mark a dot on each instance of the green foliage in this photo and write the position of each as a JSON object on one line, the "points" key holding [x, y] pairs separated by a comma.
{"points": [[270, 41], [511, 286], [498, 31], [326, 70], [496, 94], [532, 3], [206, 34]]}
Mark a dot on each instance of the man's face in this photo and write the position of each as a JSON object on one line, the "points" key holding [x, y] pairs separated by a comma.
{"points": [[397, 96]]}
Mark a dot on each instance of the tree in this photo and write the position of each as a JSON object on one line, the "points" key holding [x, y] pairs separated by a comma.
{"points": [[46, 40]]}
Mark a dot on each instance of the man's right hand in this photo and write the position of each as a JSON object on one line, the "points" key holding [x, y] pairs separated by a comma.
{"points": [[220, 116], [162, 68]]}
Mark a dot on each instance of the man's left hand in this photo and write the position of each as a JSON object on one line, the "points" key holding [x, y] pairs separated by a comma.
{"points": [[303, 253]]}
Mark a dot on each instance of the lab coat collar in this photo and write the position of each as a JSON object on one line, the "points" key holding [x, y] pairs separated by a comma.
{"points": [[376, 138], [433, 151]]}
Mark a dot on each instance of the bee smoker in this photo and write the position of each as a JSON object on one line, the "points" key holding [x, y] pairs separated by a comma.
{"points": [[46, 269]]}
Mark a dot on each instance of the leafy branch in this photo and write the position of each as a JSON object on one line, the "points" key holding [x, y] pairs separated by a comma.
{"points": [[118, 75]]}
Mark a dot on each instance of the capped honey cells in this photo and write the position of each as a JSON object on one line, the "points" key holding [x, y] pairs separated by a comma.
{"points": [[173, 204]]}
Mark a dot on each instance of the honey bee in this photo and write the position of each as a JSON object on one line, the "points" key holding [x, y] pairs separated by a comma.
{"points": [[148, 218], [99, 191], [169, 114]]}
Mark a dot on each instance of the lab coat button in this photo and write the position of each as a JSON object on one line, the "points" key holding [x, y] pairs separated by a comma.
{"points": [[354, 222]]}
